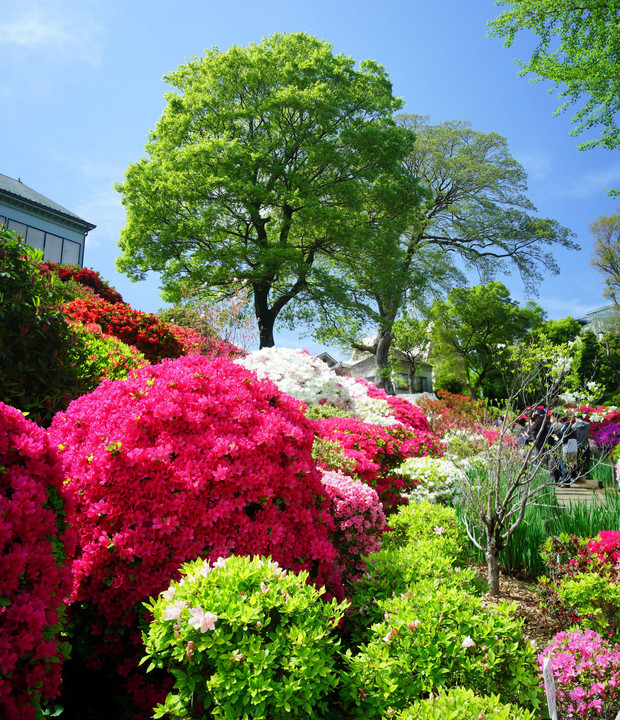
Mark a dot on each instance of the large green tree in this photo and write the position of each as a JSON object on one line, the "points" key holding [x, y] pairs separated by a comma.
{"points": [[474, 323], [261, 165], [579, 51], [474, 214]]}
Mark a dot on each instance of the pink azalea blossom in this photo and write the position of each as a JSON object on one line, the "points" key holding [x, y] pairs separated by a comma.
{"points": [[201, 620]]}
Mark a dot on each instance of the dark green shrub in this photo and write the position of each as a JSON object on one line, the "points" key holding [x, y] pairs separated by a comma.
{"points": [[39, 355]]}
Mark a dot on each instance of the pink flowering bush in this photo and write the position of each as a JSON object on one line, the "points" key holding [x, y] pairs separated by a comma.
{"points": [[191, 457], [35, 546], [377, 451], [359, 520], [403, 411], [586, 670]]}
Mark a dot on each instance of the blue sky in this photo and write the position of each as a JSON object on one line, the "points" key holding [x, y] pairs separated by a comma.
{"points": [[80, 88]]}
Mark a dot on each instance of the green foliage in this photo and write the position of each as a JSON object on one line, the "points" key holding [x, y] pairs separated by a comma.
{"points": [[39, 355], [321, 412], [577, 51], [331, 455], [595, 600], [244, 639], [106, 356], [558, 332], [438, 636], [243, 176], [426, 542], [463, 704], [473, 322]]}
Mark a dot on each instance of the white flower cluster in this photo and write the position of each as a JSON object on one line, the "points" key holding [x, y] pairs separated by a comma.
{"points": [[309, 379], [370, 410], [439, 479], [299, 374]]}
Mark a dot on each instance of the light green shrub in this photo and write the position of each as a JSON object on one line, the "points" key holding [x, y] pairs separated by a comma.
{"points": [[463, 704], [438, 636], [244, 639]]}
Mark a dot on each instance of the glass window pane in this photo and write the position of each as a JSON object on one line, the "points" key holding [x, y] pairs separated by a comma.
{"points": [[53, 248], [18, 228], [35, 238], [71, 253]]}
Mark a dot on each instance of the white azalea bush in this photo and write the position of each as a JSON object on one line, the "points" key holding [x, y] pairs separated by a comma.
{"points": [[438, 479], [244, 637], [310, 380], [299, 374]]}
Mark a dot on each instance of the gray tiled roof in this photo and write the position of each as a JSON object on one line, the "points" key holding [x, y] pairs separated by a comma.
{"points": [[17, 189]]}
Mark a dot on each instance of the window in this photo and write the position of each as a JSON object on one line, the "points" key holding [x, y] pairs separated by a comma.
{"points": [[53, 248], [35, 238], [18, 228], [71, 253]]}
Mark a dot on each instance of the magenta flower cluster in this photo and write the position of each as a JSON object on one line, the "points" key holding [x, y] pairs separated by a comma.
{"points": [[189, 458], [586, 670], [608, 436], [359, 520], [35, 549], [378, 451]]}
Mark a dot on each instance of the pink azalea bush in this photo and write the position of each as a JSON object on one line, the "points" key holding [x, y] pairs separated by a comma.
{"points": [[377, 451], [359, 520], [403, 411], [586, 670], [189, 458], [35, 547]]}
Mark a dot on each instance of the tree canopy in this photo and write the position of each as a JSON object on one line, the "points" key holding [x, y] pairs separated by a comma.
{"points": [[259, 166], [473, 323], [474, 214], [579, 51], [606, 253]]}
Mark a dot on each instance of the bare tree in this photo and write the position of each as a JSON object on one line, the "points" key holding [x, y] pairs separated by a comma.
{"points": [[499, 484]]}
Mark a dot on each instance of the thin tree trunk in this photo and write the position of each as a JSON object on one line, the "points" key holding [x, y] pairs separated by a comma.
{"points": [[264, 316], [492, 558]]}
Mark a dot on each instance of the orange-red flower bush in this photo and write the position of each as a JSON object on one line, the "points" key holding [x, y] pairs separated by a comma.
{"points": [[34, 572], [146, 332], [86, 277]]}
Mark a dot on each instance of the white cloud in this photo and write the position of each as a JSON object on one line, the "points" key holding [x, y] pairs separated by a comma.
{"points": [[54, 28], [537, 164], [593, 183]]}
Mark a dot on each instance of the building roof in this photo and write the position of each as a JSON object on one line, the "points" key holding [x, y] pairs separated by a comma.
{"points": [[16, 189]]}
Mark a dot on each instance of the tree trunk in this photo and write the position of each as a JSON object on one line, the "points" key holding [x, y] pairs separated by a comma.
{"points": [[264, 316], [382, 361], [492, 557]]}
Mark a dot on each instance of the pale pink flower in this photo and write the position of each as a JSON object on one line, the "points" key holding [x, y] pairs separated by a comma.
{"points": [[468, 642], [201, 620], [439, 530], [173, 611]]}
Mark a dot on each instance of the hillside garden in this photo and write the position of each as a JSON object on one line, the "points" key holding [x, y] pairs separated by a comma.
{"points": [[192, 531]]}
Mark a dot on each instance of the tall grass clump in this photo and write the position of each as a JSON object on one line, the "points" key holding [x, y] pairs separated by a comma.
{"points": [[547, 517]]}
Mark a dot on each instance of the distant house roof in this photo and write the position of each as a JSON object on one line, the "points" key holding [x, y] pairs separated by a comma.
{"points": [[22, 194]]}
